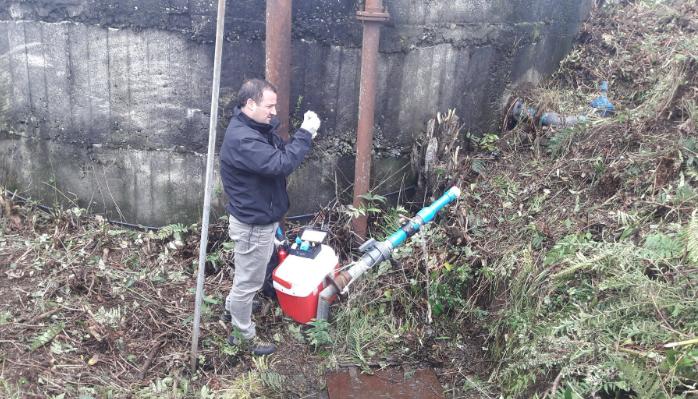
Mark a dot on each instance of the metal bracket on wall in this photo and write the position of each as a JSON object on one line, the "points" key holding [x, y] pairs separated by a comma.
{"points": [[373, 14]]}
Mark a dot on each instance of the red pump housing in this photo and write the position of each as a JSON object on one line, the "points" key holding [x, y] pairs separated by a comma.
{"points": [[298, 282]]}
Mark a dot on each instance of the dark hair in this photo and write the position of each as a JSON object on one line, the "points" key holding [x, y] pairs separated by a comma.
{"points": [[254, 89]]}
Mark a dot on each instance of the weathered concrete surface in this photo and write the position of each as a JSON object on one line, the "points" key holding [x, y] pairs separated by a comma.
{"points": [[114, 96], [135, 183]]}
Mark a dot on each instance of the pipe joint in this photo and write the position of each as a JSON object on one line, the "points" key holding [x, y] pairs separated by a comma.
{"points": [[411, 227], [377, 254], [372, 256], [339, 283]]}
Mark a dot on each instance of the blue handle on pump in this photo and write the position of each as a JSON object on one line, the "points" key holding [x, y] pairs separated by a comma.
{"points": [[302, 245]]}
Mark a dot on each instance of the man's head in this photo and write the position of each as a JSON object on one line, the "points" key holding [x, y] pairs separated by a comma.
{"points": [[257, 99]]}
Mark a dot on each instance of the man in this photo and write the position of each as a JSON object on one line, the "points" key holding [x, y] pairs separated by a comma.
{"points": [[254, 165]]}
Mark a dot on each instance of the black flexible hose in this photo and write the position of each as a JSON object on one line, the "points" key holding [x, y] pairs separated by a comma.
{"points": [[300, 217], [48, 209], [138, 226]]}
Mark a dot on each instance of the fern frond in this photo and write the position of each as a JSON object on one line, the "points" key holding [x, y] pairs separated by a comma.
{"points": [[691, 234], [645, 383], [318, 334], [662, 246], [273, 381], [270, 378], [582, 264], [479, 166], [357, 338], [560, 142], [692, 173], [172, 230], [46, 336], [625, 219], [355, 344], [111, 318]]}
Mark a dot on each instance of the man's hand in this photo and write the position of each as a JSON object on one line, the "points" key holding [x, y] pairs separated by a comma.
{"points": [[311, 123]]}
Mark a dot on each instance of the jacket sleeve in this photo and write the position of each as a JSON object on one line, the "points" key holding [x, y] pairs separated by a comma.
{"points": [[256, 155], [281, 143]]}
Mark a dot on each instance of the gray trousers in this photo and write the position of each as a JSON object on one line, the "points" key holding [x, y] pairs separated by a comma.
{"points": [[254, 245]]}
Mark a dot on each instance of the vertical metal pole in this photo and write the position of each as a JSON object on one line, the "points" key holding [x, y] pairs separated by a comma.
{"points": [[373, 16], [220, 22], [278, 58], [278, 62]]}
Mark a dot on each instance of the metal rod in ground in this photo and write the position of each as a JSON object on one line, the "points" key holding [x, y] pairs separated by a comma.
{"points": [[220, 23]]}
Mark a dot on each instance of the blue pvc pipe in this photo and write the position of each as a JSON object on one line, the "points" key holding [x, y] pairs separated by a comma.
{"points": [[379, 252], [428, 213], [425, 216], [399, 236]]}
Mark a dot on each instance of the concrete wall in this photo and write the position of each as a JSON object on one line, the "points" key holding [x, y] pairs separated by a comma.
{"points": [[108, 102]]}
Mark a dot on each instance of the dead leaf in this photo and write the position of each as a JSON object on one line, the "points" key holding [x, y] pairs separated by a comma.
{"points": [[14, 273], [94, 360]]}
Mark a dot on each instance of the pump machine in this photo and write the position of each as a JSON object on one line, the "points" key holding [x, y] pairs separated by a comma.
{"points": [[307, 279]]}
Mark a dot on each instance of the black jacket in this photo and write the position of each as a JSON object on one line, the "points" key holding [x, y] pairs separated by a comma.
{"points": [[254, 165]]}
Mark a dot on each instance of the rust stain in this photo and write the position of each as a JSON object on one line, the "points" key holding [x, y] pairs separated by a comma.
{"points": [[394, 383]]}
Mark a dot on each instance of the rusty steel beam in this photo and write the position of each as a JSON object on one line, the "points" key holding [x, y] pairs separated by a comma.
{"points": [[373, 15], [278, 58]]}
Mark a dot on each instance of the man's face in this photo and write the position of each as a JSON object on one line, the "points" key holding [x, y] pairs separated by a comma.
{"points": [[263, 111]]}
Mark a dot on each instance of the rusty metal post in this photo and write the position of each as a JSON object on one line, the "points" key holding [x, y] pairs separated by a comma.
{"points": [[278, 57], [373, 15]]}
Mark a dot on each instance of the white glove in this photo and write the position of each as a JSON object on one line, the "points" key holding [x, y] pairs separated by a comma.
{"points": [[311, 123]]}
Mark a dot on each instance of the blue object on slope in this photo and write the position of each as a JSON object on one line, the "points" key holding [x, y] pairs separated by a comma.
{"points": [[554, 119], [603, 106]]}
